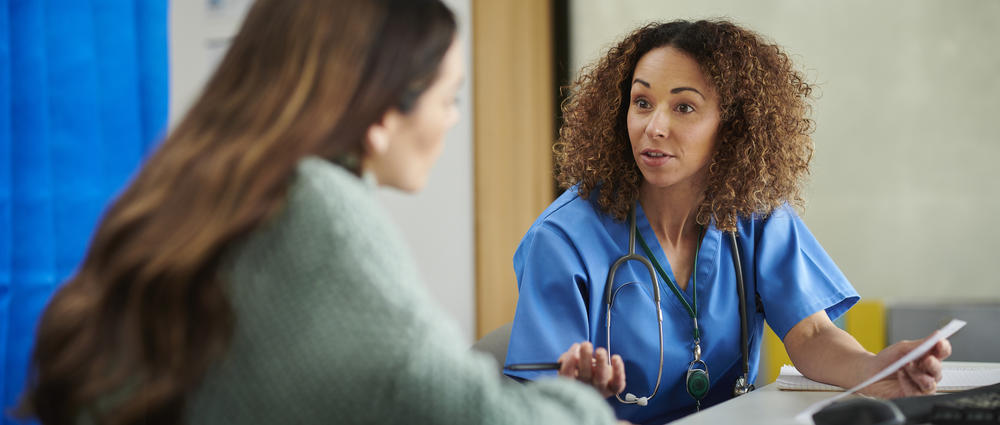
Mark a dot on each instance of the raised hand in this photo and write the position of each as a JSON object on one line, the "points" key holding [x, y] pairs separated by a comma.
{"points": [[592, 367]]}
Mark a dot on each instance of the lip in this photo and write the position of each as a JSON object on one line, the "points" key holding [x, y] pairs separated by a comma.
{"points": [[660, 159]]}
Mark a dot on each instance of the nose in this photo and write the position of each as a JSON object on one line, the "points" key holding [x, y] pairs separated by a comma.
{"points": [[658, 126]]}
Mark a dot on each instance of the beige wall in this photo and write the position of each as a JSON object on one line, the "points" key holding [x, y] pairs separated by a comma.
{"points": [[904, 194]]}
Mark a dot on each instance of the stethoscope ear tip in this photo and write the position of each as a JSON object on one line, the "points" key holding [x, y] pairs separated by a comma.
{"points": [[631, 398]]}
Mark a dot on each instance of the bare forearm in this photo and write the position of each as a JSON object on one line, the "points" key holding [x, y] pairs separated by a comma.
{"points": [[825, 353]]}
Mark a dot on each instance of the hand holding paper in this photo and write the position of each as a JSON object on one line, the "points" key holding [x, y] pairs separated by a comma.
{"points": [[903, 355], [915, 377]]}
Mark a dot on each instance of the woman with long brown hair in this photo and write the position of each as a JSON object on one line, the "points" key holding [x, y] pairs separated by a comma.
{"points": [[684, 151], [248, 276]]}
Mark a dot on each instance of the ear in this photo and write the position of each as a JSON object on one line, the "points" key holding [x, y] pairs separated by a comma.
{"points": [[380, 134], [376, 139]]}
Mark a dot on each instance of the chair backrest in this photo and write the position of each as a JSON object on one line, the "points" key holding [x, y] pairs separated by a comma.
{"points": [[495, 344]]}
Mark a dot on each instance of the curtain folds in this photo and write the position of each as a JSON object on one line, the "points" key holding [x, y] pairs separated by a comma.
{"points": [[83, 98]]}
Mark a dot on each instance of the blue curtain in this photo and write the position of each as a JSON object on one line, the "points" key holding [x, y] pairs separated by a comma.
{"points": [[83, 97]]}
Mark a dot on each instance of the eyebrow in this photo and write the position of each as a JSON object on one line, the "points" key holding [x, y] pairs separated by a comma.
{"points": [[673, 91], [680, 89], [639, 81]]}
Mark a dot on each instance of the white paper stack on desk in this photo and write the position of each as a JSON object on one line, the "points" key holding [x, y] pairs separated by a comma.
{"points": [[956, 377]]}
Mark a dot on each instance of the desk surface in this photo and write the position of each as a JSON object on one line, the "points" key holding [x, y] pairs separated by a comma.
{"points": [[766, 405], [770, 406]]}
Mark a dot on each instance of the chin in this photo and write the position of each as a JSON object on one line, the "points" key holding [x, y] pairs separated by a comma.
{"points": [[411, 185], [659, 181]]}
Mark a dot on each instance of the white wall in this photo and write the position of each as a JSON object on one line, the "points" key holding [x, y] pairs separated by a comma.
{"points": [[904, 193], [437, 223], [199, 34]]}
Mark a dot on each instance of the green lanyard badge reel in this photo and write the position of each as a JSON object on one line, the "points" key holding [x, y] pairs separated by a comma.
{"points": [[697, 382]]}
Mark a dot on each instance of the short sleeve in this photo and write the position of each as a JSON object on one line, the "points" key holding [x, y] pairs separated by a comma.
{"points": [[795, 276], [551, 308]]}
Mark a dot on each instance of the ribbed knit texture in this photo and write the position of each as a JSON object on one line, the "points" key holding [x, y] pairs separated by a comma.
{"points": [[334, 326]]}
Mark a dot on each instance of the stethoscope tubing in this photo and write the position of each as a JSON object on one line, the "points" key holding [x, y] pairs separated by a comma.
{"points": [[742, 384], [741, 291], [609, 297]]}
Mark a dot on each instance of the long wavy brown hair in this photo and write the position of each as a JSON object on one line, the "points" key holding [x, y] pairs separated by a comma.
{"points": [[133, 332], [764, 145]]}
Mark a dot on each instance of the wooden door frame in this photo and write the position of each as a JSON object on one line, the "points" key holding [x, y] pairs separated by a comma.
{"points": [[514, 122]]}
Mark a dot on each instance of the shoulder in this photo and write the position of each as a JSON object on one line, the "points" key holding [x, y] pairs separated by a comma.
{"points": [[329, 218], [783, 213], [569, 223], [328, 187], [571, 213], [327, 200], [780, 220], [568, 217]]}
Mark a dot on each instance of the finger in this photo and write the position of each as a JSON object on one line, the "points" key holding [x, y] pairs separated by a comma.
{"points": [[924, 383], [906, 385], [931, 366], [569, 360], [602, 371], [927, 380], [942, 349], [564, 356], [585, 365], [617, 383], [898, 350]]}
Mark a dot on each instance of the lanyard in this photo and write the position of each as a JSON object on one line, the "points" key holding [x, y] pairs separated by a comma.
{"points": [[696, 381], [692, 309]]}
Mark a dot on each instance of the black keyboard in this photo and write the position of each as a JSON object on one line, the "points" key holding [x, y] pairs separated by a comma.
{"points": [[976, 406]]}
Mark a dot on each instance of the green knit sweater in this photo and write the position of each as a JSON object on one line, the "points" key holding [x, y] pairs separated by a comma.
{"points": [[333, 326]]}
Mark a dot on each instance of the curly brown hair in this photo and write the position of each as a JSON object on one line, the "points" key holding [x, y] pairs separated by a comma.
{"points": [[763, 150]]}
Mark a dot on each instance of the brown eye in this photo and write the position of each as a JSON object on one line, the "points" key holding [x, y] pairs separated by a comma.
{"points": [[642, 103], [685, 108]]}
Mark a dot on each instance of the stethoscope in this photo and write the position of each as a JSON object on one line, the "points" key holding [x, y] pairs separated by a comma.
{"points": [[697, 379]]}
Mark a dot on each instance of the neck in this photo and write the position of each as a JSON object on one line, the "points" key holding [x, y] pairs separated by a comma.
{"points": [[366, 169], [672, 212]]}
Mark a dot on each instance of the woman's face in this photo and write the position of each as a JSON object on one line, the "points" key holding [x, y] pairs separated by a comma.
{"points": [[673, 118], [413, 140]]}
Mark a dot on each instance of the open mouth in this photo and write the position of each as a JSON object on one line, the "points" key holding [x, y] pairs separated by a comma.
{"points": [[655, 158]]}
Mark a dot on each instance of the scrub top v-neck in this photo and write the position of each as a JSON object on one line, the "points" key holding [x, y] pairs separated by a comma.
{"points": [[562, 264]]}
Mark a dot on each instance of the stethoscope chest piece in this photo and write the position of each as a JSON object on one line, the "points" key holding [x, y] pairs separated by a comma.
{"points": [[742, 386]]}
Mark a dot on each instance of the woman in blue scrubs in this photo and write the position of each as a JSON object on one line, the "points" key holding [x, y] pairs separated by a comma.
{"points": [[697, 130]]}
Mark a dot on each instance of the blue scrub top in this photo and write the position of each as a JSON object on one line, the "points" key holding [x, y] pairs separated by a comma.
{"points": [[562, 266]]}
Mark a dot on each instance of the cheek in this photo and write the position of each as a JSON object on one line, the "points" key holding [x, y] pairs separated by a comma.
{"points": [[437, 124], [431, 139], [453, 116], [710, 139]]}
